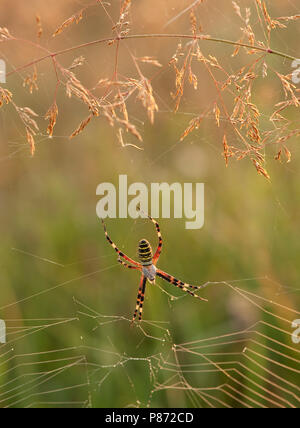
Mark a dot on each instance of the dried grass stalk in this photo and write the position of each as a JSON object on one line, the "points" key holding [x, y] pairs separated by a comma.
{"points": [[5, 34], [39, 26], [30, 140]]}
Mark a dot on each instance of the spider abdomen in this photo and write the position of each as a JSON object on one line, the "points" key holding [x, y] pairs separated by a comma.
{"points": [[145, 253]]}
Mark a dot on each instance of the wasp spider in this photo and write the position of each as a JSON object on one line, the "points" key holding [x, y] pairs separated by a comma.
{"points": [[147, 266]]}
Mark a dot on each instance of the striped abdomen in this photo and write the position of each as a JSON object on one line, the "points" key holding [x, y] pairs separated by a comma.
{"points": [[145, 253]]}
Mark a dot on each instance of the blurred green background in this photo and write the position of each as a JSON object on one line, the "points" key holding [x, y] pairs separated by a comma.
{"points": [[48, 205]]}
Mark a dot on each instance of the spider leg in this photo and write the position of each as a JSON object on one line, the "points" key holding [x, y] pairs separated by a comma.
{"points": [[160, 241], [117, 249], [127, 265], [140, 299], [184, 286]]}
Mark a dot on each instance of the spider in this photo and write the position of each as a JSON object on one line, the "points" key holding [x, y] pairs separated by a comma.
{"points": [[147, 266]]}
